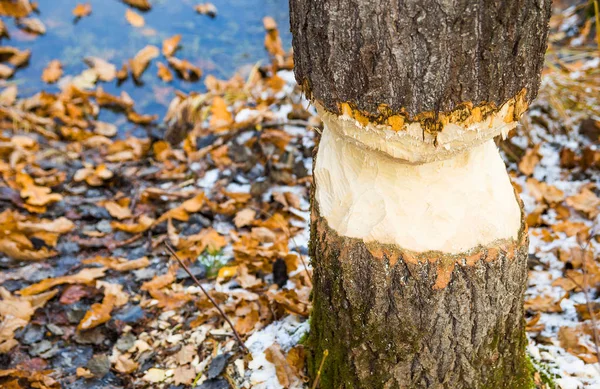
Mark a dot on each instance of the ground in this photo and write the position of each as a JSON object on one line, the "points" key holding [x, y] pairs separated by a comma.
{"points": [[92, 196]]}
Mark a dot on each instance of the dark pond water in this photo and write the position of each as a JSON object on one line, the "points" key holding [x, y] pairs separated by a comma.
{"points": [[218, 46]]}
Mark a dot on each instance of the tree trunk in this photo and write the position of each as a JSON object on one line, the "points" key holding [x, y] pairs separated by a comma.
{"points": [[418, 241]]}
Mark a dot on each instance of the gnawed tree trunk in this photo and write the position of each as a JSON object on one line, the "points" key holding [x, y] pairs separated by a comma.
{"points": [[418, 242]]}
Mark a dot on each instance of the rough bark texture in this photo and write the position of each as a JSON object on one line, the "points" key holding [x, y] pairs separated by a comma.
{"points": [[393, 319], [418, 56]]}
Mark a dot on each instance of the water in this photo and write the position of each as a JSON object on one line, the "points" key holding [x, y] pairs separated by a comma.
{"points": [[218, 46]]}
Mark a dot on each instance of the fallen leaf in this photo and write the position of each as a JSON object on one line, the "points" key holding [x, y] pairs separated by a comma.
{"points": [[85, 276], [185, 69], [244, 217], [155, 375], [143, 224], [99, 313], [117, 210], [136, 118], [15, 8], [220, 115], [586, 202], [184, 375], [34, 194], [119, 264], [530, 160], [285, 374], [125, 365], [142, 59], [6, 71], [83, 372], [105, 70], [170, 45], [135, 19], [142, 5], [82, 10], [164, 73], [33, 25], [15, 313], [207, 9], [52, 72]]}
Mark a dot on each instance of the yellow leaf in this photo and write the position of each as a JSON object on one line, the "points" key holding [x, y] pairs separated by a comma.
{"points": [[82, 9], [135, 19], [116, 210], [170, 45], [85, 276]]}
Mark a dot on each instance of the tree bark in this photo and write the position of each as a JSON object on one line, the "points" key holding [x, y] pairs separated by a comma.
{"points": [[418, 243], [418, 55], [391, 318]]}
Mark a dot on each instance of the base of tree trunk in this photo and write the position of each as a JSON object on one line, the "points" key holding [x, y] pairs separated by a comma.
{"points": [[391, 318]]}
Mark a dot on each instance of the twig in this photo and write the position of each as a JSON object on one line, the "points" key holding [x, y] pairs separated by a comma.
{"points": [[187, 270], [325, 354]]}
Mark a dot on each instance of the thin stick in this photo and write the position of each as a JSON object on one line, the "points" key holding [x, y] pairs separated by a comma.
{"points": [[325, 354], [597, 14], [187, 270]]}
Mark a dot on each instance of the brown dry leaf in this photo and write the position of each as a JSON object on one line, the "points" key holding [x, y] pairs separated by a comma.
{"points": [[99, 313], [20, 253], [125, 365], [142, 5], [93, 176], [220, 115], [52, 72], [33, 25], [295, 358], [117, 210], [207, 9], [170, 45], [164, 73], [105, 70], [586, 202], [285, 374], [182, 212], [119, 264], [14, 56], [15, 8], [186, 354], [544, 304], [572, 340], [134, 18], [142, 59], [82, 10], [172, 233], [142, 225], [8, 96], [105, 129], [15, 312], [6, 71], [83, 372], [269, 23], [184, 375], [530, 160], [85, 276], [185, 69], [143, 120], [159, 282], [123, 73], [34, 194], [244, 217]]}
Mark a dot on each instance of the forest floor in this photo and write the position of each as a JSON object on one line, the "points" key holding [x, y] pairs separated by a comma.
{"points": [[93, 198]]}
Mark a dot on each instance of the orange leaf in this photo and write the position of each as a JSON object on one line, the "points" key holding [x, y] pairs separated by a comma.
{"points": [[170, 45]]}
